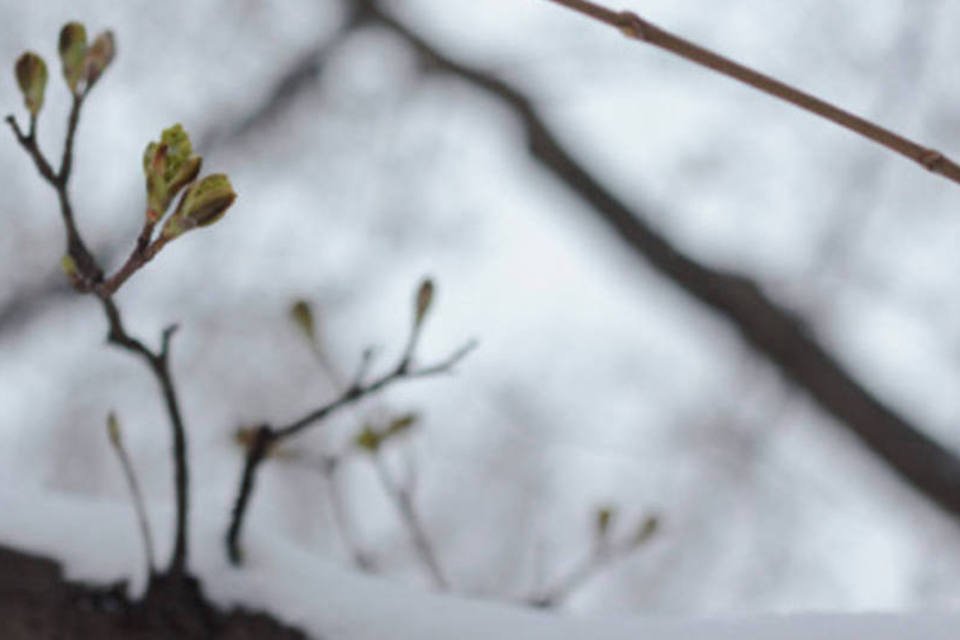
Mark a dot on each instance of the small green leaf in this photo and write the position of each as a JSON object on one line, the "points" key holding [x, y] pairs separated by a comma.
{"points": [[31, 72], [73, 54]]}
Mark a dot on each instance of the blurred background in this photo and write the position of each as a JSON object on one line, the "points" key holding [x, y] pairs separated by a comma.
{"points": [[362, 166]]}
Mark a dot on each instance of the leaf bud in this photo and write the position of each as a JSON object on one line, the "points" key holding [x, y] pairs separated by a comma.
{"points": [[73, 54], [424, 300], [302, 315], [31, 72], [203, 203], [99, 56], [113, 430]]}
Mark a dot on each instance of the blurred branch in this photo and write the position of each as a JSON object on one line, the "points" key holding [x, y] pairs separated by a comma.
{"points": [[636, 28], [401, 494], [774, 332], [329, 465], [266, 436], [604, 553]]}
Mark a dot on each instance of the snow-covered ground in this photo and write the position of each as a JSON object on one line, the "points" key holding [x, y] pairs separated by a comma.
{"points": [[326, 600], [595, 382]]}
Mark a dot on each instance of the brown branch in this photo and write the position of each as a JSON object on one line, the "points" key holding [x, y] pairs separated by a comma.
{"points": [[636, 28], [772, 331], [268, 436], [87, 276]]}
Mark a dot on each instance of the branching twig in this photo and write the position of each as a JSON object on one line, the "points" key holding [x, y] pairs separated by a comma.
{"points": [[267, 436], [328, 466], [604, 553], [773, 331], [87, 277], [636, 28], [402, 497]]}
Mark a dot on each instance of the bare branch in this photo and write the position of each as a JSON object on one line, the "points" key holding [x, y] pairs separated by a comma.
{"points": [[636, 28]]}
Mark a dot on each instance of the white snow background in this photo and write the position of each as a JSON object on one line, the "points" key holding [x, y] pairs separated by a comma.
{"points": [[596, 381]]}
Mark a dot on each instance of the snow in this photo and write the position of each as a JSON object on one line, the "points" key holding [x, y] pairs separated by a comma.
{"points": [[100, 544]]}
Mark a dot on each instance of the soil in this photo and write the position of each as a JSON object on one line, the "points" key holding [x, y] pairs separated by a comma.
{"points": [[36, 603]]}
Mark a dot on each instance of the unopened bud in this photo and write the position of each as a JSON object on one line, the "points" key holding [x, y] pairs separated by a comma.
{"points": [[169, 165], [113, 430], [73, 54], [31, 73], [368, 439], [203, 203], [424, 300], [604, 518], [99, 57], [302, 314], [646, 530]]}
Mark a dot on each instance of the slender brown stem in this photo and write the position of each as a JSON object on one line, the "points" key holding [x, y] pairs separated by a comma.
{"points": [[136, 495], [636, 28], [328, 467], [402, 497], [268, 436], [88, 277]]}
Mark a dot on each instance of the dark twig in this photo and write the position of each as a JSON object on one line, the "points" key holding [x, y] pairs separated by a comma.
{"points": [[87, 276], [267, 436], [636, 28]]}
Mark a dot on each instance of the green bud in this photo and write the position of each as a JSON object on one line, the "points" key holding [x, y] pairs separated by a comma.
{"points": [[113, 430], [203, 203], [646, 530], [604, 518], [31, 73], [69, 266], [73, 54], [99, 57], [368, 439], [169, 165], [424, 300], [302, 314]]}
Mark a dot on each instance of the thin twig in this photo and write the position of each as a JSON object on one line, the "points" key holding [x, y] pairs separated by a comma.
{"points": [[636, 28], [267, 436], [133, 484], [328, 466], [402, 497], [604, 553], [774, 332], [87, 277]]}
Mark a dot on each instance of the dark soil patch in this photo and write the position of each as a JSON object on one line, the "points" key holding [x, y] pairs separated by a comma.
{"points": [[36, 603]]}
